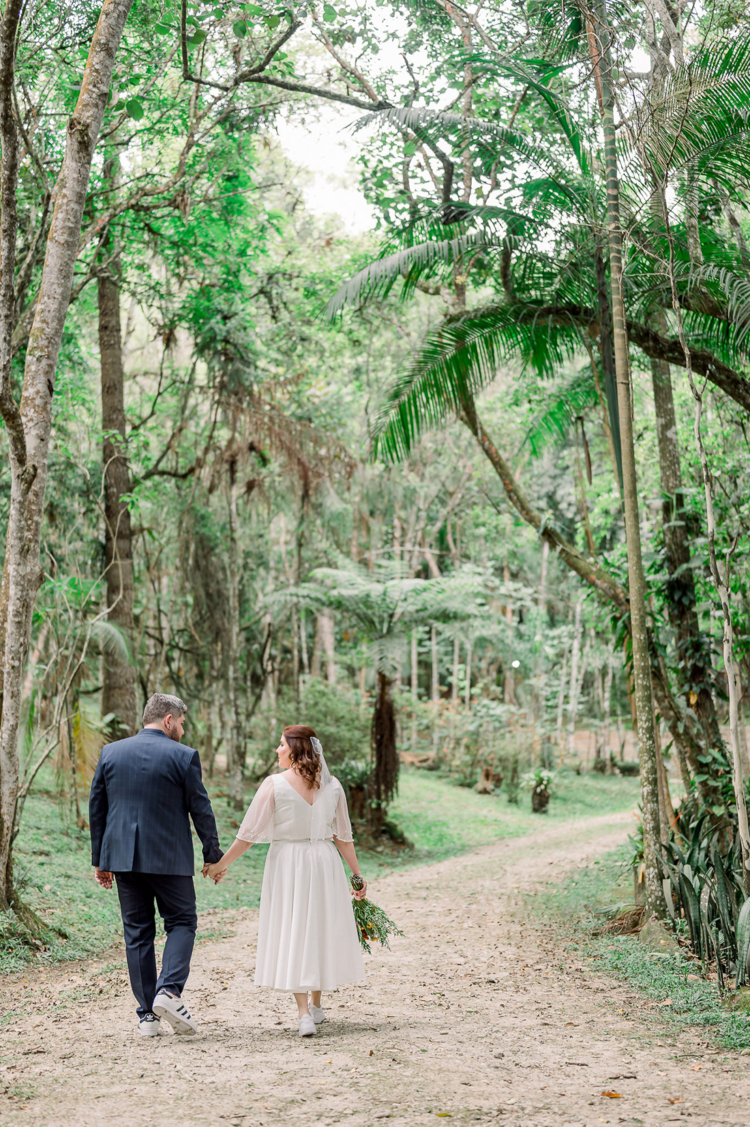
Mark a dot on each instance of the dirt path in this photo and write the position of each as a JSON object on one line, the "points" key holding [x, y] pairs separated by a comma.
{"points": [[467, 1018]]}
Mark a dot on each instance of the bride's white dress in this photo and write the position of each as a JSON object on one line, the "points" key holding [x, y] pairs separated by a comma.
{"points": [[307, 937]]}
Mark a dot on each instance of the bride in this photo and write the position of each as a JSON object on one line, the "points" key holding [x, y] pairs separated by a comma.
{"points": [[307, 937]]}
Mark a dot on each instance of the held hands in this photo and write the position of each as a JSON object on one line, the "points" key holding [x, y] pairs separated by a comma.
{"points": [[217, 871], [103, 878]]}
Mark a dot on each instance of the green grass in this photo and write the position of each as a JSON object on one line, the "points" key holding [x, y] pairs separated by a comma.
{"points": [[53, 867], [443, 820], [656, 975]]}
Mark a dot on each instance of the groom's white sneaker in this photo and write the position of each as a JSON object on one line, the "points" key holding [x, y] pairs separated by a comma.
{"points": [[148, 1026], [175, 1013], [307, 1026], [317, 1014]]}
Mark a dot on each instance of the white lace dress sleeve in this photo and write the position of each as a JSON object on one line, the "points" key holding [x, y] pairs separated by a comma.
{"points": [[257, 825], [341, 825]]}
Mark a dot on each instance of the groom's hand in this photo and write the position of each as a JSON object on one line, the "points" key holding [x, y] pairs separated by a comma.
{"points": [[103, 878]]}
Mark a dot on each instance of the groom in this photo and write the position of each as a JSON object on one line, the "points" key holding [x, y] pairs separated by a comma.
{"points": [[144, 792]]}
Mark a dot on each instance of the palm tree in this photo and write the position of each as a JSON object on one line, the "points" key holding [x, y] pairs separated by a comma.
{"points": [[555, 299]]}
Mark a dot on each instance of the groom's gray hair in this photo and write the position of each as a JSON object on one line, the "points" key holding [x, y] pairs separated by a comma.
{"points": [[162, 704]]}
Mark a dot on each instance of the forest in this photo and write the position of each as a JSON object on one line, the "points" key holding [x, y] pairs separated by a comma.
{"points": [[464, 489]]}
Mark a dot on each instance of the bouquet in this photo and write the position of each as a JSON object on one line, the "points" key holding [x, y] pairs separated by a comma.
{"points": [[373, 926]]}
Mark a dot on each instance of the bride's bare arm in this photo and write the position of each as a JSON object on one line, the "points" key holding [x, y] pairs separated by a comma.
{"points": [[256, 826], [236, 849], [349, 853]]}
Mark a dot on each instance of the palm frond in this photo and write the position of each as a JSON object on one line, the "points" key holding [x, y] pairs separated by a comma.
{"points": [[461, 358], [570, 401], [538, 75], [701, 119], [434, 256], [111, 640]]}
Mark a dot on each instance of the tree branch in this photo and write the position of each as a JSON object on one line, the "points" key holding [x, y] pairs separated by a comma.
{"points": [[319, 92], [605, 585]]}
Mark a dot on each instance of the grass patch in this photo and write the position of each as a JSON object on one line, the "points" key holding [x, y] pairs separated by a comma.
{"points": [[54, 871], [443, 820], [656, 975]]}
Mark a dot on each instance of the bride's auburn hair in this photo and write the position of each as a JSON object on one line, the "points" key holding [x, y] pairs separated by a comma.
{"points": [[305, 761]]}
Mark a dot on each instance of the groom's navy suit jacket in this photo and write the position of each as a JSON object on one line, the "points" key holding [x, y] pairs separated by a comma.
{"points": [[144, 792]]}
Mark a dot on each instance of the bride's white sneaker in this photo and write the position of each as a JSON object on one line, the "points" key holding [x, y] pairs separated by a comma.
{"points": [[317, 1014], [175, 1013], [307, 1026]]}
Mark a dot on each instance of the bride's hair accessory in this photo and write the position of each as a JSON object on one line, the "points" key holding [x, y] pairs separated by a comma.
{"points": [[324, 799]]}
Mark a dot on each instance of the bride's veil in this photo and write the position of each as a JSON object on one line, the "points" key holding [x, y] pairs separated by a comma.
{"points": [[324, 799]]}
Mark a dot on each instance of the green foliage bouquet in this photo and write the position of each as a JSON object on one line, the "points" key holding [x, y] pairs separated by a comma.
{"points": [[373, 925], [539, 780]]}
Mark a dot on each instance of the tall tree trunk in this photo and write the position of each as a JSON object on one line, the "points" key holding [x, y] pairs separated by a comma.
{"points": [[119, 687], [303, 641], [654, 892], [468, 675], [575, 660], [414, 687], [325, 647], [607, 353], [509, 681], [692, 659], [8, 233], [606, 709], [235, 743], [561, 704], [29, 460], [435, 685], [385, 775], [539, 694], [721, 579]]}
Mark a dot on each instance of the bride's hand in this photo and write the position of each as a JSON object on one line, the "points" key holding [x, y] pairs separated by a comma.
{"points": [[362, 893]]}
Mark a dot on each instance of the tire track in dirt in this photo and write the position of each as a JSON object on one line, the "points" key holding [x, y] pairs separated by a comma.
{"points": [[467, 1018]]}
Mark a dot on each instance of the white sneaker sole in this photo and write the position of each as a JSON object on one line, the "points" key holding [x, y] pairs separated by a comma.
{"points": [[148, 1028], [174, 1011]]}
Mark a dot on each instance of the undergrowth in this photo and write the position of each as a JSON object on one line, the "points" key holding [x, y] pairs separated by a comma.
{"points": [[662, 977]]}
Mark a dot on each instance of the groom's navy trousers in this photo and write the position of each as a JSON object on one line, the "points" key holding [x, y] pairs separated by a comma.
{"points": [[175, 899], [144, 793]]}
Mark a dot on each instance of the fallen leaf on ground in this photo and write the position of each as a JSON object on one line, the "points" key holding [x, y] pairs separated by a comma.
{"points": [[613, 1095], [695, 1067], [666, 1002], [676, 1100]]}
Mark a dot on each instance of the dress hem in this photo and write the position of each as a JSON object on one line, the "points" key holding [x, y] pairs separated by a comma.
{"points": [[302, 989]]}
